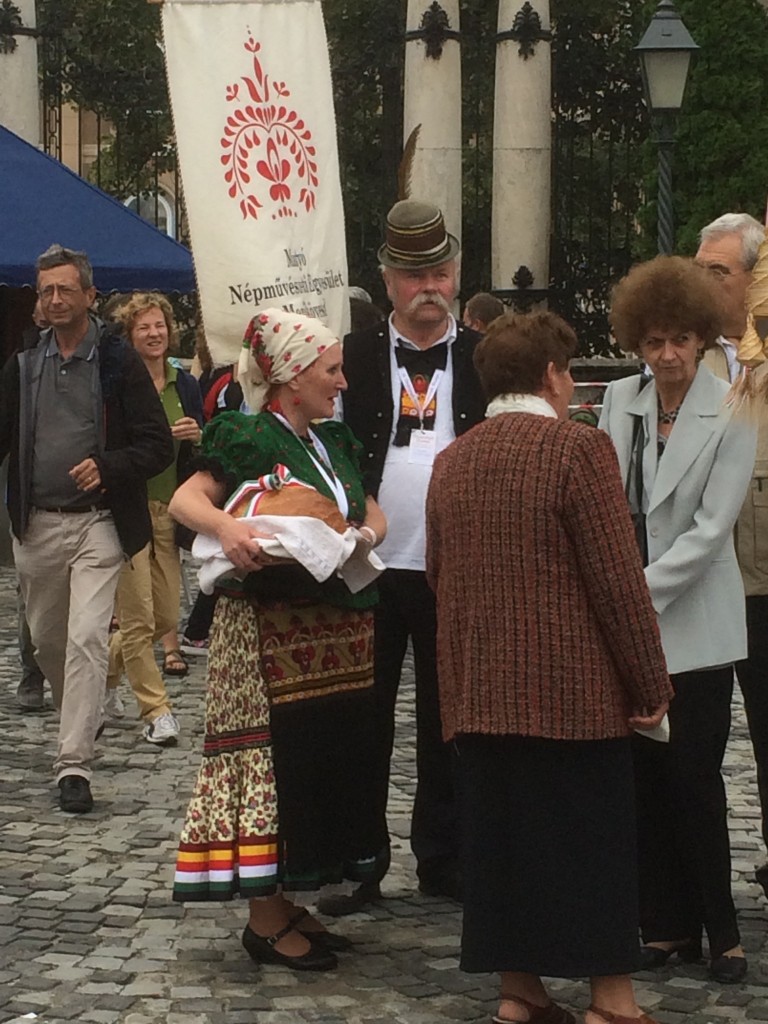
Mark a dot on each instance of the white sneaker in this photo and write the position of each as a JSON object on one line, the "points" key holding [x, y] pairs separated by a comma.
{"points": [[113, 705], [163, 730]]}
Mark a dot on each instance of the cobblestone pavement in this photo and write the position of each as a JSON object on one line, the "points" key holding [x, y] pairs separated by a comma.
{"points": [[88, 931]]}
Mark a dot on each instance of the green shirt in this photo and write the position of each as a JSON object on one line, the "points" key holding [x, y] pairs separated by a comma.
{"points": [[162, 486]]}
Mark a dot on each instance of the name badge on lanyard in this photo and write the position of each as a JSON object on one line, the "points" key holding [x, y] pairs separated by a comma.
{"points": [[422, 446]]}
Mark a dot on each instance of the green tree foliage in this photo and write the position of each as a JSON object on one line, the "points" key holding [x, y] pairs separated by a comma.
{"points": [[104, 56], [721, 160], [367, 59], [599, 123], [366, 50]]}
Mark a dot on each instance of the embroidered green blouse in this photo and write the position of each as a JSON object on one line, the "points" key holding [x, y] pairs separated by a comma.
{"points": [[237, 447]]}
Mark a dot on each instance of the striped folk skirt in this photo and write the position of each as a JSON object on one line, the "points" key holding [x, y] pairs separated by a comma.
{"points": [[283, 794]]}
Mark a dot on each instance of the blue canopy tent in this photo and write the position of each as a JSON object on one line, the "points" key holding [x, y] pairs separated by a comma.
{"points": [[42, 202]]}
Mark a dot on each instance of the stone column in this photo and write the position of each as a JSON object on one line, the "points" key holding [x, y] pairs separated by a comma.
{"points": [[522, 144], [19, 93], [433, 100]]}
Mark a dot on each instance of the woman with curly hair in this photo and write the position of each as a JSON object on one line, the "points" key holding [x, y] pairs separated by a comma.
{"points": [[686, 459]]}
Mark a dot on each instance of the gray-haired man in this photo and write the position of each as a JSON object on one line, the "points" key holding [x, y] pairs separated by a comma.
{"points": [[412, 390], [84, 429], [728, 249]]}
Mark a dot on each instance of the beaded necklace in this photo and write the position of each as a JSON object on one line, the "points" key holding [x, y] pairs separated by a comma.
{"points": [[667, 417]]}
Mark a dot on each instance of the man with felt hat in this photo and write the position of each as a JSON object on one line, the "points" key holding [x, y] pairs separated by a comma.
{"points": [[412, 389]]}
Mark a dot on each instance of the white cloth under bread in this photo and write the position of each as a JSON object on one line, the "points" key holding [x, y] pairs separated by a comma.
{"points": [[310, 542]]}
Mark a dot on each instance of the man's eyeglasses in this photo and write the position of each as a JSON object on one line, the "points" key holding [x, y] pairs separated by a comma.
{"points": [[65, 291]]}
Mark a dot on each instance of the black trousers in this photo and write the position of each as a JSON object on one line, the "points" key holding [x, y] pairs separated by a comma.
{"points": [[753, 679], [201, 617], [407, 609], [684, 855]]}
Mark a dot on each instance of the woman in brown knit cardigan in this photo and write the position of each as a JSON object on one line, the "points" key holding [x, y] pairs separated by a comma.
{"points": [[548, 656]]}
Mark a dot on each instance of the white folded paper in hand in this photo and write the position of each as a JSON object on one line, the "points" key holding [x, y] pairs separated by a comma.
{"points": [[303, 539], [660, 733]]}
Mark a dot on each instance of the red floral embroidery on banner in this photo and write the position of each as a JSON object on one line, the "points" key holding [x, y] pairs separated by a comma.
{"points": [[270, 137]]}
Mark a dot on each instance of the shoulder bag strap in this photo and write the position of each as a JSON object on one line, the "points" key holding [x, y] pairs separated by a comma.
{"points": [[636, 455]]}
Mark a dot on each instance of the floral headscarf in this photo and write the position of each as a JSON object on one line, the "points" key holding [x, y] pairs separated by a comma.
{"points": [[277, 346]]}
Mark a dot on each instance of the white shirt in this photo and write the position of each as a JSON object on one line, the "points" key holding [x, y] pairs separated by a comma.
{"points": [[403, 491], [730, 350]]}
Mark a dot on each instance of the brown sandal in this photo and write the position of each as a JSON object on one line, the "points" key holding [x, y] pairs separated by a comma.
{"points": [[174, 663], [615, 1018], [550, 1014]]}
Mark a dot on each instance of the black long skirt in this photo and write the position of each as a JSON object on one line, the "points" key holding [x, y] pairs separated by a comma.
{"points": [[549, 856]]}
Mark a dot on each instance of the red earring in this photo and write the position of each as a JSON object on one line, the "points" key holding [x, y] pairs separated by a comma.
{"points": [[296, 400]]}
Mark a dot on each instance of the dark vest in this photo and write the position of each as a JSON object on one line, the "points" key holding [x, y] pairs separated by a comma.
{"points": [[369, 403]]}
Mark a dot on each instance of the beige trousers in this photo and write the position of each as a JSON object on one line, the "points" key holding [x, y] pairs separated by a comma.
{"points": [[68, 565], [148, 598]]}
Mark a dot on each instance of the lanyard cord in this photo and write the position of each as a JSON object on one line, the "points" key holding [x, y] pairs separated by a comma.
{"points": [[420, 404], [322, 464]]}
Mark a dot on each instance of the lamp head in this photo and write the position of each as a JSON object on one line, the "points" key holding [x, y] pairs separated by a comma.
{"points": [[665, 53]]}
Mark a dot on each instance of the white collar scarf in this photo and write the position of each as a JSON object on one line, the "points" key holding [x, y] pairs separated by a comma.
{"points": [[520, 403]]}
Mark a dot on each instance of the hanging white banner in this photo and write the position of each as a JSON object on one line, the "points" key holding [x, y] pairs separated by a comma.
{"points": [[250, 87]]}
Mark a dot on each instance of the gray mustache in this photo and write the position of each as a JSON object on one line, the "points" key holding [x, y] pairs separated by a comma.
{"points": [[424, 297]]}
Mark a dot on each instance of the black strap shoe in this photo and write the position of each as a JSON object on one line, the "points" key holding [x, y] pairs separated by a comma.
{"points": [[263, 951], [75, 794]]}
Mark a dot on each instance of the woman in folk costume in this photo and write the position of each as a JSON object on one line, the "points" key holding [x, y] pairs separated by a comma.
{"points": [[282, 797], [687, 460]]}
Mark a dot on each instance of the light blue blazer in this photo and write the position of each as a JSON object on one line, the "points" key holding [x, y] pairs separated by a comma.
{"points": [[692, 498]]}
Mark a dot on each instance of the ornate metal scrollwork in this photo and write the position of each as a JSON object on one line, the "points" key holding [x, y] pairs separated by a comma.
{"points": [[522, 297], [51, 59], [435, 29], [10, 23], [526, 30], [522, 278]]}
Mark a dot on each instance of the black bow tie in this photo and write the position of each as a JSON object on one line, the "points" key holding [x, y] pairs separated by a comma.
{"points": [[422, 360]]}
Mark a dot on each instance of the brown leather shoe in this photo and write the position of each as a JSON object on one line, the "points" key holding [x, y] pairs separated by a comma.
{"points": [[550, 1014], [615, 1018]]}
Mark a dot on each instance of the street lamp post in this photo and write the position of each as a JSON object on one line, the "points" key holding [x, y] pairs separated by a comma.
{"points": [[665, 53]]}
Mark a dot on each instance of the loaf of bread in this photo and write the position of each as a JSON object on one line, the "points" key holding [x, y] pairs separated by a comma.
{"points": [[291, 500]]}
